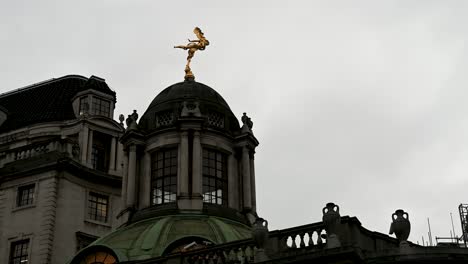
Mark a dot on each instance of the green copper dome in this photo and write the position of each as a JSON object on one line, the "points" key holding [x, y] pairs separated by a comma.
{"points": [[151, 237]]}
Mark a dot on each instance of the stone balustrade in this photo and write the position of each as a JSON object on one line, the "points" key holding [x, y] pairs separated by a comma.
{"points": [[310, 240], [303, 237], [36, 149]]}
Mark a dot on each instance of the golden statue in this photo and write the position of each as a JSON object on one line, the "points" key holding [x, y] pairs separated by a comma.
{"points": [[192, 46]]}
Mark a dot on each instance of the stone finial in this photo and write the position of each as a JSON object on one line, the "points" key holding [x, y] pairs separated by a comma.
{"points": [[247, 123], [135, 115], [190, 109], [331, 219], [401, 226], [260, 236]]}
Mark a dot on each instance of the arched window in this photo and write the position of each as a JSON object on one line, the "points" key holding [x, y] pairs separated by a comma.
{"points": [[164, 176], [214, 177]]}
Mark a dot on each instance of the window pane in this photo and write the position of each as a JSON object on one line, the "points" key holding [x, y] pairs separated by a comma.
{"points": [[25, 195], [19, 252], [98, 207], [214, 177], [164, 174]]}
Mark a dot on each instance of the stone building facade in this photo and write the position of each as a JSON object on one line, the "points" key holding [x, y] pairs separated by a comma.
{"points": [[60, 168], [174, 186]]}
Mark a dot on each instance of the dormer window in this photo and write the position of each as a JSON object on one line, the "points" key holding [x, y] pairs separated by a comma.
{"points": [[100, 107], [84, 105]]}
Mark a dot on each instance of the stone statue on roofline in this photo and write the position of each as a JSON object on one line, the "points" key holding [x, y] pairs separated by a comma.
{"points": [[131, 120], [247, 123], [192, 47]]}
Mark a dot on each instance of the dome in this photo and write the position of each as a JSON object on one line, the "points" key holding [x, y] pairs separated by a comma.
{"points": [[166, 107], [153, 237]]}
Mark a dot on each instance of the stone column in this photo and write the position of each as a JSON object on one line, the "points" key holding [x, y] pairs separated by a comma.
{"points": [[183, 175], [90, 148], [246, 178], [131, 177], [233, 182], [112, 155], [84, 144], [197, 166], [252, 183], [145, 184]]}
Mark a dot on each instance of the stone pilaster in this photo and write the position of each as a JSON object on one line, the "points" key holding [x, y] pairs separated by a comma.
{"points": [[131, 176], [120, 157], [84, 143], [112, 155], [246, 181], [197, 178], [48, 209], [124, 177], [145, 193], [183, 164], [233, 182], [197, 165], [252, 182], [90, 148], [3, 209]]}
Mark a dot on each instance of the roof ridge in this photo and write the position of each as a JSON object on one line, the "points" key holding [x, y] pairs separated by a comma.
{"points": [[41, 83]]}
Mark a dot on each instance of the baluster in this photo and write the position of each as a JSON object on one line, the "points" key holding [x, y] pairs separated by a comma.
{"points": [[302, 238], [221, 257], [248, 254], [211, 258], [311, 240], [232, 255], [294, 245], [240, 255], [319, 238], [283, 243]]}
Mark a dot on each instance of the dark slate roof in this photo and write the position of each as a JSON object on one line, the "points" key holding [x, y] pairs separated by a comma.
{"points": [[171, 98], [46, 101]]}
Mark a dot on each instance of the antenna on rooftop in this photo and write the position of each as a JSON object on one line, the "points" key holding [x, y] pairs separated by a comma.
{"points": [[463, 209], [429, 233], [453, 228]]}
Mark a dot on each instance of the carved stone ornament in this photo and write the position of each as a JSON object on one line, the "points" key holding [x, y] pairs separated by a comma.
{"points": [[401, 225], [190, 109], [260, 232]]}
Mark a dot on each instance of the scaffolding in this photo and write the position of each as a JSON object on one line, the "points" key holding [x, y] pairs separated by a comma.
{"points": [[463, 209]]}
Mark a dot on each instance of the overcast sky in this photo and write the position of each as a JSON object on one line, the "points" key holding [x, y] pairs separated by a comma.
{"points": [[363, 103]]}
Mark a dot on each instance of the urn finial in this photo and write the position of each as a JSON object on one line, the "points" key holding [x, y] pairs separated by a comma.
{"points": [[331, 219], [401, 225]]}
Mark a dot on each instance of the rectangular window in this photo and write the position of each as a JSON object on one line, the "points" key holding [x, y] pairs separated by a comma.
{"points": [[25, 195], [164, 176], [214, 177], [98, 158], [101, 107], [84, 105], [83, 240], [98, 207], [19, 252]]}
